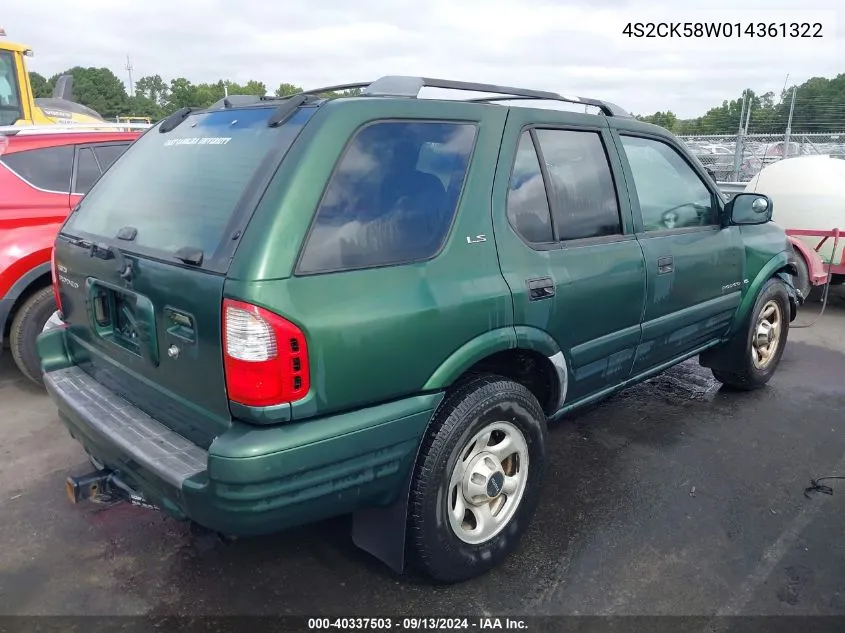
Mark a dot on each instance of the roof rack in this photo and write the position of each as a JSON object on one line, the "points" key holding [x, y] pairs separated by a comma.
{"points": [[58, 128], [404, 86]]}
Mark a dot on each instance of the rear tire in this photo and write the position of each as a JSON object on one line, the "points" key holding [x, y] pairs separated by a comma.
{"points": [[28, 323], [755, 352], [477, 479]]}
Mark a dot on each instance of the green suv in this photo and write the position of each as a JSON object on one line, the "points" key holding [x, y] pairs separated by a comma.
{"points": [[277, 310]]}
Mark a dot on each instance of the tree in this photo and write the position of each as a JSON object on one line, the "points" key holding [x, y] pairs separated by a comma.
{"points": [[40, 86], [252, 87], [150, 99], [285, 90], [819, 102], [99, 89], [182, 94], [666, 119], [154, 89]]}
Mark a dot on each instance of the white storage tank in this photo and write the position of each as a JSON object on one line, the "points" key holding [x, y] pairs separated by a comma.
{"points": [[807, 192]]}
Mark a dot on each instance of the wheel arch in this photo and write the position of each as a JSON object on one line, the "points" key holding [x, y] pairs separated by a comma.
{"points": [[32, 281], [525, 354], [778, 266], [382, 531]]}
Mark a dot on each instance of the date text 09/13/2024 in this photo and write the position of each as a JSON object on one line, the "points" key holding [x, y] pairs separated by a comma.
{"points": [[799, 30], [418, 624]]}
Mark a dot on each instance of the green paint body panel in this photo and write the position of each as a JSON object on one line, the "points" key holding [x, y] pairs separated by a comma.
{"points": [[766, 254], [384, 344]]}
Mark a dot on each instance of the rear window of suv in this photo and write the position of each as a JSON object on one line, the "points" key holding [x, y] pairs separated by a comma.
{"points": [[180, 189]]}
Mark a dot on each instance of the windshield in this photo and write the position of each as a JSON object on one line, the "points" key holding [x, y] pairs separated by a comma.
{"points": [[180, 189], [10, 102]]}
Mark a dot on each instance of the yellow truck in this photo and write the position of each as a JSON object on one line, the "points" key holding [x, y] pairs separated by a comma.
{"points": [[18, 104]]}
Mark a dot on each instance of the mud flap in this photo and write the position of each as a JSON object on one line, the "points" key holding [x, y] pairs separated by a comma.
{"points": [[796, 300], [381, 531]]}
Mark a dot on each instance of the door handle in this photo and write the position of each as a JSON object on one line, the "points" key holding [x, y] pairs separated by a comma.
{"points": [[541, 288], [665, 265]]}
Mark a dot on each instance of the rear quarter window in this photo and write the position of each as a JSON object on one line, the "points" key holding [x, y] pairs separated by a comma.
{"points": [[392, 197], [107, 154], [48, 168]]}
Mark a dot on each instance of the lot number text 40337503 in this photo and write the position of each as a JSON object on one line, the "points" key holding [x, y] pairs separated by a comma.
{"points": [[723, 29]]}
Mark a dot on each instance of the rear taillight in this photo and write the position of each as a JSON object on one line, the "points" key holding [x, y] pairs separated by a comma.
{"points": [[265, 356], [55, 276]]}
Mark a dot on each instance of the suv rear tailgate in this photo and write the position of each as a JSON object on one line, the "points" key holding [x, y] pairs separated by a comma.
{"points": [[141, 263], [153, 340]]}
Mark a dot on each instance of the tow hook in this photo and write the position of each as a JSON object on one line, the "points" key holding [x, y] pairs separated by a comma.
{"points": [[103, 486]]}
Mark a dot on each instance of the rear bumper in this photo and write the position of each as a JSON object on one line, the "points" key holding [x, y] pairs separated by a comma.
{"points": [[251, 480]]}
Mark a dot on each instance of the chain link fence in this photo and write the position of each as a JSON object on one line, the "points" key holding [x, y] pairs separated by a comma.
{"points": [[738, 158]]}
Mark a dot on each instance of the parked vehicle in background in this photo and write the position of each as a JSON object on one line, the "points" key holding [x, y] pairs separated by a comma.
{"points": [[718, 159], [44, 172], [18, 103], [278, 310]]}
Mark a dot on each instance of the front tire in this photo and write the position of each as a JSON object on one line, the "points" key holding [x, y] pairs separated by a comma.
{"points": [[477, 480], [755, 353], [28, 323]]}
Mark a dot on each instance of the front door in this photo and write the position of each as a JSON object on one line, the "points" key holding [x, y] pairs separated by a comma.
{"points": [[694, 266], [566, 243]]}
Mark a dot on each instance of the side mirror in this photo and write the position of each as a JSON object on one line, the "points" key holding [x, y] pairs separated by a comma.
{"points": [[749, 208]]}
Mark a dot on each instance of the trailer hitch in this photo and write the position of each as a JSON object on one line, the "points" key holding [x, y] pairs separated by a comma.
{"points": [[104, 486]]}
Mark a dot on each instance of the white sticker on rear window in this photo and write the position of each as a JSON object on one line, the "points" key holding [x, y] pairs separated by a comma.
{"points": [[199, 140]]}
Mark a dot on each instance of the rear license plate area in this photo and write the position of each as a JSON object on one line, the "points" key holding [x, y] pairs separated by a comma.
{"points": [[123, 318]]}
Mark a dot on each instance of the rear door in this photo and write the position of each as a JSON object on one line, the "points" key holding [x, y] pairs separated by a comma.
{"points": [[566, 243], [694, 266], [142, 261], [41, 179]]}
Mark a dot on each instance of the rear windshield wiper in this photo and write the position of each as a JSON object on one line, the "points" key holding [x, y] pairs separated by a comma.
{"points": [[104, 251], [188, 255], [78, 241]]}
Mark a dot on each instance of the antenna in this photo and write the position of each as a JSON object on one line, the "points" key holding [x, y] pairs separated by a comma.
{"points": [[129, 70]]}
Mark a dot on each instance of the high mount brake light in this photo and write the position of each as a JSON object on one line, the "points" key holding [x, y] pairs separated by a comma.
{"points": [[265, 357]]}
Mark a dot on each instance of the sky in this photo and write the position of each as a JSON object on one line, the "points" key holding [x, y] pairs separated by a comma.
{"points": [[576, 47]]}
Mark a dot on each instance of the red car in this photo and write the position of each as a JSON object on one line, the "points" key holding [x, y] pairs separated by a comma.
{"points": [[44, 172]]}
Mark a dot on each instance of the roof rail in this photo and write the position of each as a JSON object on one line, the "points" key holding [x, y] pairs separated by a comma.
{"points": [[338, 88], [404, 86], [57, 128]]}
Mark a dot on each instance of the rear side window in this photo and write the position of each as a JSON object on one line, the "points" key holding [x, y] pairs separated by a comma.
{"points": [[392, 196], [107, 154], [581, 184], [87, 170], [528, 206], [181, 189], [49, 168]]}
